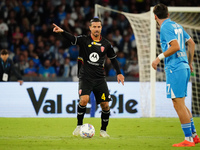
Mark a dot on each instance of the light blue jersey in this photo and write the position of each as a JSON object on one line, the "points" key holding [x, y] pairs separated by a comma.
{"points": [[176, 66], [170, 31]]}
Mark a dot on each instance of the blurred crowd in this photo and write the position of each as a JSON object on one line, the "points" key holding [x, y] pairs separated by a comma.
{"points": [[26, 31]]}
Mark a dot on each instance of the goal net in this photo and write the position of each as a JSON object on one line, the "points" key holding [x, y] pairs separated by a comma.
{"points": [[147, 37]]}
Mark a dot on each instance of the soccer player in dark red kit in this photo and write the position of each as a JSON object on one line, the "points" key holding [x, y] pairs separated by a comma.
{"points": [[92, 53]]}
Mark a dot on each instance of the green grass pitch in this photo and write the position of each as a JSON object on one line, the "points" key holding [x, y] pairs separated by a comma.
{"points": [[126, 134]]}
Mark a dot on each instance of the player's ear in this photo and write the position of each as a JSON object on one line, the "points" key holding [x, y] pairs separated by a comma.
{"points": [[155, 17], [168, 15]]}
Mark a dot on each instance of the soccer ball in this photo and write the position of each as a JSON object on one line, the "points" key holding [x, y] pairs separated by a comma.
{"points": [[87, 131]]}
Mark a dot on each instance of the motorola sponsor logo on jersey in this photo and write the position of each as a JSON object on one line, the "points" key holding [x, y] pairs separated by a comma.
{"points": [[94, 57]]}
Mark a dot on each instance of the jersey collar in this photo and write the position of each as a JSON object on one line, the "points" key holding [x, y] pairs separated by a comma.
{"points": [[167, 20], [96, 40]]}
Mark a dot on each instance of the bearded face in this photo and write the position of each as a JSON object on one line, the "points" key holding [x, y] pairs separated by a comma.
{"points": [[96, 28]]}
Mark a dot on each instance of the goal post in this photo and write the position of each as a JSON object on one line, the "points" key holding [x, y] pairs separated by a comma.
{"points": [[147, 38], [152, 57]]}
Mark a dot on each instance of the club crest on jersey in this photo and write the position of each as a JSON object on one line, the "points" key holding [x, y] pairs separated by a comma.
{"points": [[102, 48], [94, 57]]}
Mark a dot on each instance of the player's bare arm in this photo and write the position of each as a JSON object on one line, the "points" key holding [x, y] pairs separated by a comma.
{"points": [[191, 47], [173, 49]]}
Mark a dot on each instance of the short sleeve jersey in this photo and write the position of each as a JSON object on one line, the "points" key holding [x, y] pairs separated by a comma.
{"points": [[92, 55], [170, 31]]}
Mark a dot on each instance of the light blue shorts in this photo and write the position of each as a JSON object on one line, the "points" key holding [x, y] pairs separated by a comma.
{"points": [[176, 83]]}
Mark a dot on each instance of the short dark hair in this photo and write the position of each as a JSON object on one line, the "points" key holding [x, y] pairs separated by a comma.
{"points": [[95, 20], [4, 52], [161, 11]]}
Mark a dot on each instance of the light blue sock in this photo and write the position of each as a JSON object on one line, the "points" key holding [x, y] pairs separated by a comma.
{"points": [[192, 125], [187, 129]]}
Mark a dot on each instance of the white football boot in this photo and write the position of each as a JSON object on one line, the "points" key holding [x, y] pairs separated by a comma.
{"points": [[76, 132], [104, 134]]}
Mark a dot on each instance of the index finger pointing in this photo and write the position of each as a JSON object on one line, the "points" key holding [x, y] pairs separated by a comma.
{"points": [[55, 25]]}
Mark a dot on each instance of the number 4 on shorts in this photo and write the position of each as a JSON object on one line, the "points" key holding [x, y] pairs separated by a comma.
{"points": [[103, 96]]}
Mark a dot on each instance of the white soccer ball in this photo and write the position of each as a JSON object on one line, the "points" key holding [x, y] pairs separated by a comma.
{"points": [[87, 130]]}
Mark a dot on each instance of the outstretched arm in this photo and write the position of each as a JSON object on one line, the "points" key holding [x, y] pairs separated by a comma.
{"points": [[65, 34], [120, 77]]}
